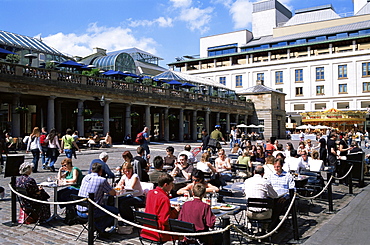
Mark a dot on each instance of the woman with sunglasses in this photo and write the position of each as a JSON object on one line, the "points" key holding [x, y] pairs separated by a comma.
{"points": [[69, 175], [197, 176], [223, 167]]}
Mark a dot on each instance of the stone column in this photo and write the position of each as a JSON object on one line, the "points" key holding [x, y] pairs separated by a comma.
{"points": [[58, 117], [128, 120], [51, 115], [237, 119], [147, 118], [106, 118], [206, 120], [245, 119], [166, 125], [16, 117], [194, 132], [228, 122], [80, 118], [181, 125], [218, 118]]}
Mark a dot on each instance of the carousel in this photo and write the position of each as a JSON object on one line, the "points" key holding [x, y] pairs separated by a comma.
{"points": [[341, 120]]}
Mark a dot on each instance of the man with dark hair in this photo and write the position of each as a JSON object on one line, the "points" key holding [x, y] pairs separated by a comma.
{"points": [[94, 183], [158, 203], [182, 167], [205, 140], [158, 169], [140, 165], [186, 151]]}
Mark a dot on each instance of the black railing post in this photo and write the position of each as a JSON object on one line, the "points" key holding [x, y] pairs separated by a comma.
{"points": [[226, 234], [293, 211], [90, 236], [349, 180], [14, 201], [330, 193]]}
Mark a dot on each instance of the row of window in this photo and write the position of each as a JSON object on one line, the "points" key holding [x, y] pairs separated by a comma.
{"points": [[309, 40], [320, 76]]}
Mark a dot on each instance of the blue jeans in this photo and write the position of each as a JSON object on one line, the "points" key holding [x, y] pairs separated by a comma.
{"points": [[44, 155], [68, 153], [102, 219], [36, 158]]}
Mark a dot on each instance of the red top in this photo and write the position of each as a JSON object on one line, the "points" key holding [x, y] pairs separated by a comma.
{"points": [[158, 203], [198, 213]]}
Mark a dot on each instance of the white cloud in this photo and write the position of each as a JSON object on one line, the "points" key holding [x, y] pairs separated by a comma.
{"points": [[196, 18], [241, 13], [181, 3], [161, 21], [110, 38]]}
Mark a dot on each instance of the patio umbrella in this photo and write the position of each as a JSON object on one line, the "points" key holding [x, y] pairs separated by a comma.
{"points": [[242, 126], [174, 82], [6, 52], [70, 64], [128, 74], [187, 85], [303, 127]]}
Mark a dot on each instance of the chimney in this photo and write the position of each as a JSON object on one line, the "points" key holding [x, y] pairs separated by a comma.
{"points": [[100, 51]]}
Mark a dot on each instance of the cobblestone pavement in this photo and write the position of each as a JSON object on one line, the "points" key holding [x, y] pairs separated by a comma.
{"points": [[311, 216]]}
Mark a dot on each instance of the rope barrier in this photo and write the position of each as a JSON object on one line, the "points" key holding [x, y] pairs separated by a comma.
{"points": [[317, 195], [340, 178], [44, 202], [271, 232], [159, 231]]}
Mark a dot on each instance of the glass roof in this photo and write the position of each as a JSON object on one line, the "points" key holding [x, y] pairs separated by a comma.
{"points": [[24, 42], [117, 62]]}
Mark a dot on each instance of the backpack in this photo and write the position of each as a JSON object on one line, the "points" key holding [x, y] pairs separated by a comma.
{"points": [[140, 138], [42, 140]]}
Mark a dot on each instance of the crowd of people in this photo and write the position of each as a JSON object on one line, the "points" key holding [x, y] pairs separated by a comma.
{"points": [[271, 165]]}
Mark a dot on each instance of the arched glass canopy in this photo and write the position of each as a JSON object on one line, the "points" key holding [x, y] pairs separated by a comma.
{"points": [[117, 62]]}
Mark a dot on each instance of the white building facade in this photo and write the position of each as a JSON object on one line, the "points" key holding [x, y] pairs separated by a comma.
{"points": [[319, 59]]}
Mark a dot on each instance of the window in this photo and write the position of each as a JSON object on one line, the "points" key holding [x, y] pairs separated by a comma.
{"points": [[366, 69], [366, 87], [260, 76], [299, 107], [342, 88], [223, 80], [320, 89], [299, 91], [320, 106], [278, 77], [299, 75], [342, 71], [320, 73], [238, 81]]}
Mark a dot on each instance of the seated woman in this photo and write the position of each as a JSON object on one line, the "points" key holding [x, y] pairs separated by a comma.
{"points": [[170, 159], [197, 177], [35, 192], [260, 155], [95, 140], [129, 180], [69, 175], [236, 149], [245, 160], [301, 148], [204, 165], [223, 167]]}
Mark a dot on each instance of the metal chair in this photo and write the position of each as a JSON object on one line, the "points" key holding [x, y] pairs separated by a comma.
{"points": [[240, 172], [29, 210], [150, 220], [81, 220], [259, 203]]}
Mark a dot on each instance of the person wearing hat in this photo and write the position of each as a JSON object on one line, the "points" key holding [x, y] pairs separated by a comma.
{"points": [[217, 135], [35, 192]]}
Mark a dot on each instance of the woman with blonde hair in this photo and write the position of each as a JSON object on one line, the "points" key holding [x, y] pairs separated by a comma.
{"points": [[129, 181], [204, 165], [245, 160], [34, 147]]}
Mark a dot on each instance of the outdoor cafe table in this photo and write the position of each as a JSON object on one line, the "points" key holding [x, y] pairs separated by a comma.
{"points": [[218, 214], [237, 187], [55, 187], [119, 194], [301, 181]]}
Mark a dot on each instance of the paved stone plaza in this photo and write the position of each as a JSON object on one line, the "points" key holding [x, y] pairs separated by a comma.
{"points": [[312, 216]]}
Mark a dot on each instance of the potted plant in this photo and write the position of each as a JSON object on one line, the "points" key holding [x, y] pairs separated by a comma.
{"points": [[134, 114], [171, 117], [13, 58], [21, 109]]}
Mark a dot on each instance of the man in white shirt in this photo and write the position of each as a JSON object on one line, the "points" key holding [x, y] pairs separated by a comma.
{"points": [[186, 151], [258, 187]]}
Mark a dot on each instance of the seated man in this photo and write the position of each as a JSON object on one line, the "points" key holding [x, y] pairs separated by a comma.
{"points": [[158, 169], [258, 187], [197, 178], [186, 151], [103, 158], [182, 168], [94, 183], [200, 214], [158, 203], [281, 181]]}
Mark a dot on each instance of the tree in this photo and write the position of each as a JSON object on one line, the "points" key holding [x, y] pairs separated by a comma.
{"points": [[13, 58], [129, 79]]}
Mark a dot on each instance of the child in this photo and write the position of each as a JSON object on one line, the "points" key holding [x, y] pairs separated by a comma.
{"points": [[199, 213]]}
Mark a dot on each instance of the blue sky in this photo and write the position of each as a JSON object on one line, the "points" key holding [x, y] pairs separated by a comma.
{"points": [[166, 28]]}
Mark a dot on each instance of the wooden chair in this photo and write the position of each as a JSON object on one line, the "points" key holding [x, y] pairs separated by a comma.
{"points": [[150, 220], [182, 226], [28, 210], [259, 203]]}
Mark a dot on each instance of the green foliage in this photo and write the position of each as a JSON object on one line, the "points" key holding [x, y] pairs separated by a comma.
{"points": [[13, 58], [50, 65], [92, 73], [192, 90], [214, 93], [165, 85], [129, 80], [147, 81], [134, 114]]}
